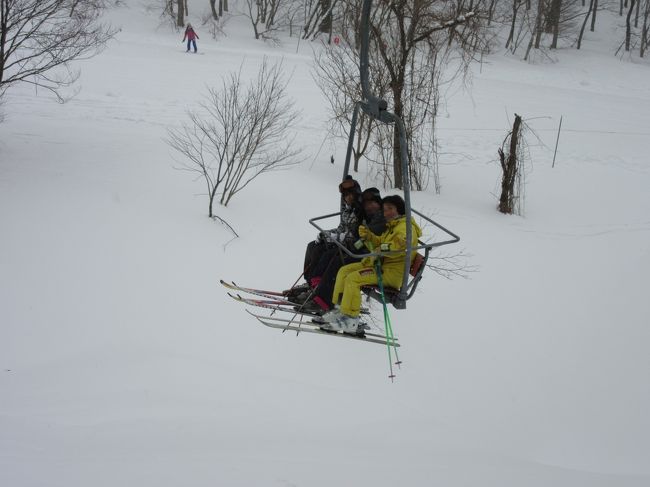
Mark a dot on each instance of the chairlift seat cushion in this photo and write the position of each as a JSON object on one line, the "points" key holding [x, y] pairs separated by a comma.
{"points": [[416, 265]]}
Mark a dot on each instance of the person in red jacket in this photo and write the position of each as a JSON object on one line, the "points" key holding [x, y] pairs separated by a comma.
{"points": [[191, 37]]}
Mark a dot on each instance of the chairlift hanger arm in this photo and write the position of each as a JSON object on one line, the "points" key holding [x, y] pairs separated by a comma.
{"points": [[377, 108]]}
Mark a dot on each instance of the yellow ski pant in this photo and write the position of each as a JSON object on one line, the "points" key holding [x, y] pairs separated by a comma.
{"points": [[350, 278]]}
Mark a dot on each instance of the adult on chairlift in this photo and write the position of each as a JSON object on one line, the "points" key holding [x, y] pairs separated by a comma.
{"points": [[351, 277], [373, 218], [317, 256]]}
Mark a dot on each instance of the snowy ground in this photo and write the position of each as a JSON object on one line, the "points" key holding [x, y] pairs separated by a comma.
{"points": [[123, 362]]}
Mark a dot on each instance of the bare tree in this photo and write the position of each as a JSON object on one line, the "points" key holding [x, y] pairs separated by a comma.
{"points": [[590, 12], [319, 17], [628, 25], [645, 38], [180, 13], [263, 15], [512, 162], [411, 47], [223, 7], [406, 31], [336, 72], [541, 19], [40, 38], [451, 265], [213, 9], [513, 21], [423, 100], [216, 26], [536, 33], [168, 10], [553, 21], [635, 35], [239, 133], [592, 28]]}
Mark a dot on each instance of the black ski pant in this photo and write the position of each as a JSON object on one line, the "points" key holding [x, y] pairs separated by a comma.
{"points": [[313, 256], [333, 260]]}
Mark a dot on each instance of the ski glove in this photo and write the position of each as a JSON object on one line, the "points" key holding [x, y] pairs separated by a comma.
{"points": [[366, 235], [363, 232]]}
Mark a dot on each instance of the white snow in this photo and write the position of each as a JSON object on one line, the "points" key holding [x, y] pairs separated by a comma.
{"points": [[124, 363]]}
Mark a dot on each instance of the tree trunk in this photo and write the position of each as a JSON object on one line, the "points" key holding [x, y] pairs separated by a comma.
{"points": [[180, 17], [644, 29], [213, 9], [362, 138], [326, 22], [584, 23], [331, 29], [538, 31], [511, 35], [491, 8], [509, 167], [3, 41], [628, 26], [554, 21], [537, 34], [593, 17]]}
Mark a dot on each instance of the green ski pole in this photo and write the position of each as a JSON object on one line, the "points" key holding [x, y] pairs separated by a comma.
{"points": [[390, 339]]}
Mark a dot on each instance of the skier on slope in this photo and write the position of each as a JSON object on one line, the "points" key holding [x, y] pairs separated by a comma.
{"points": [[191, 37]]}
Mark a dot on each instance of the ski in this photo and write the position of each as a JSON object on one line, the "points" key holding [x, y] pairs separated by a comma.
{"points": [[280, 305], [277, 305], [314, 328], [315, 322], [276, 301], [283, 306], [257, 292]]}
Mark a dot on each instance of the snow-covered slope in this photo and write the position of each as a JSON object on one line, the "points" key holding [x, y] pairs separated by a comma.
{"points": [[123, 362]]}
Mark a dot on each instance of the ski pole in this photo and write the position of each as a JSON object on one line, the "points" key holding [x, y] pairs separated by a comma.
{"points": [[390, 339]]}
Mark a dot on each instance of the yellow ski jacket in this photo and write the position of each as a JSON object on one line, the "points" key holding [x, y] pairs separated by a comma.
{"points": [[393, 239]]}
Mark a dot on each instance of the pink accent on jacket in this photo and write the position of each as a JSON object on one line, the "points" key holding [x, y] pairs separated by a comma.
{"points": [[190, 35]]}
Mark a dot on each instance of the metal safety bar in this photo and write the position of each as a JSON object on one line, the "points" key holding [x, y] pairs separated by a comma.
{"points": [[408, 287], [423, 245]]}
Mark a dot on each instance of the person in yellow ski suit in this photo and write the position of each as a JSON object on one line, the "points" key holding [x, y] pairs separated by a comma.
{"points": [[351, 277]]}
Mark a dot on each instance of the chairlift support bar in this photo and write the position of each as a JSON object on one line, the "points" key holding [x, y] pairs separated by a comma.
{"points": [[423, 246]]}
